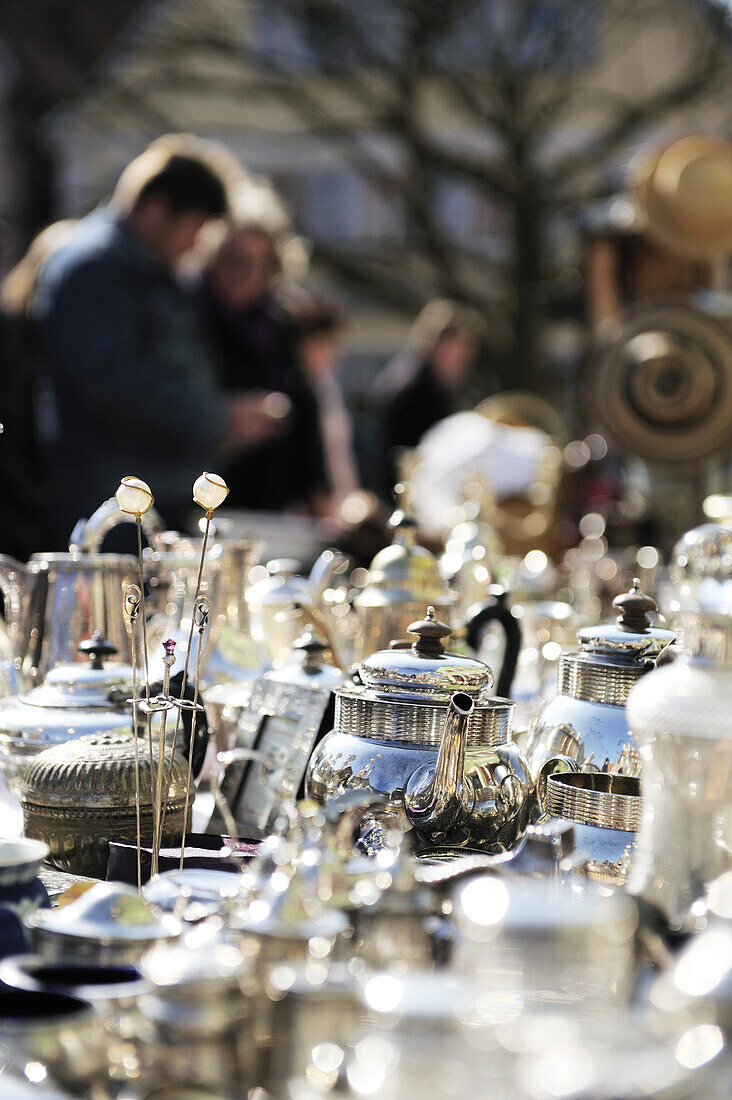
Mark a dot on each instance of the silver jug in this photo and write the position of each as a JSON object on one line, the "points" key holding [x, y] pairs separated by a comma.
{"points": [[173, 561], [57, 600], [399, 725]]}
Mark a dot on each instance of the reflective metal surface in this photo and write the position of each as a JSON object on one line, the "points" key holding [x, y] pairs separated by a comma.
{"points": [[584, 726]]}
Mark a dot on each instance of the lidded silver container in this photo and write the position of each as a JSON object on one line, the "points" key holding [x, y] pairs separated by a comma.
{"points": [[584, 727]]}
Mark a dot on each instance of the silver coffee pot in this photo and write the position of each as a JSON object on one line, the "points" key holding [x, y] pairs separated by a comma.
{"points": [[403, 578], [584, 727], [281, 604], [57, 600], [422, 731]]}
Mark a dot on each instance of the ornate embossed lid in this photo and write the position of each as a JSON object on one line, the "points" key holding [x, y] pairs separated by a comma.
{"points": [[425, 672], [97, 770], [631, 635]]}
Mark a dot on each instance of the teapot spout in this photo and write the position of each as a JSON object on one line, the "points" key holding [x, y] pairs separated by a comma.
{"points": [[436, 798]]}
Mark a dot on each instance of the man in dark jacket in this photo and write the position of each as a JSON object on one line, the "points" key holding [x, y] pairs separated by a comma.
{"points": [[126, 369]]}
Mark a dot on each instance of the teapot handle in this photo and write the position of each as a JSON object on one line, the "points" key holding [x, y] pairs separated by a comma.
{"points": [[495, 609], [89, 534]]}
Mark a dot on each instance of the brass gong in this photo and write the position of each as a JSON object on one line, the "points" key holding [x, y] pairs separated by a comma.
{"points": [[664, 387]]}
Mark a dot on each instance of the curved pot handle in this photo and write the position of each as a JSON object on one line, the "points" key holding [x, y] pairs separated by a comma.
{"points": [[555, 765], [496, 609], [89, 534]]}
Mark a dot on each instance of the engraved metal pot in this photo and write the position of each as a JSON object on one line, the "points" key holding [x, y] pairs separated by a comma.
{"points": [[81, 795], [392, 726], [584, 728]]}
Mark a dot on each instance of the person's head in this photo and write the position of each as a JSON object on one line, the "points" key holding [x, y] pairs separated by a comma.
{"points": [[171, 190], [446, 336], [242, 268], [320, 323]]}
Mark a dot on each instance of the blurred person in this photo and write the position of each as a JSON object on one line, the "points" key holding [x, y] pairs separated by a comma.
{"points": [[124, 354], [21, 531], [420, 385], [256, 340], [320, 324]]}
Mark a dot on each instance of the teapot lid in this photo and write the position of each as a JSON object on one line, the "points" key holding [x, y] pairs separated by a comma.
{"points": [[306, 665], [425, 671], [81, 685], [631, 635], [108, 912], [405, 565]]}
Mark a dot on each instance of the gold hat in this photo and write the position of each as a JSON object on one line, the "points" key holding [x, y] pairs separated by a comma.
{"points": [[685, 191]]}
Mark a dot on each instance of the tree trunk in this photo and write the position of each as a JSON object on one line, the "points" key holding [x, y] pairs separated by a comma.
{"points": [[525, 277]]}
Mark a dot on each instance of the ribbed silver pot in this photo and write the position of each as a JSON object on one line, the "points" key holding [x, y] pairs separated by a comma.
{"points": [[362, 715], [598, 681], [595, 798]]}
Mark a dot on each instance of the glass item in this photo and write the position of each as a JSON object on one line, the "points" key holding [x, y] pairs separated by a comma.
{"points": [[681, 718]]}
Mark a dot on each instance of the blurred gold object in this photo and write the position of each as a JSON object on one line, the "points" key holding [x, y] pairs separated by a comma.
{"points": [[664, 387], [526, 522], [684, 190]]}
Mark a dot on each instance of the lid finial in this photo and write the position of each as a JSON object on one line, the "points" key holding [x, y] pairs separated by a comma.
{"points": [[97, 648], [430, 632], [635, 609]]}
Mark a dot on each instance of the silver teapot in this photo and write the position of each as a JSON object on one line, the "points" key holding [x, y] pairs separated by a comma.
{"points": [[73, 700], [403, 578], [584, 727], [281, 605], [422, 731]]}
